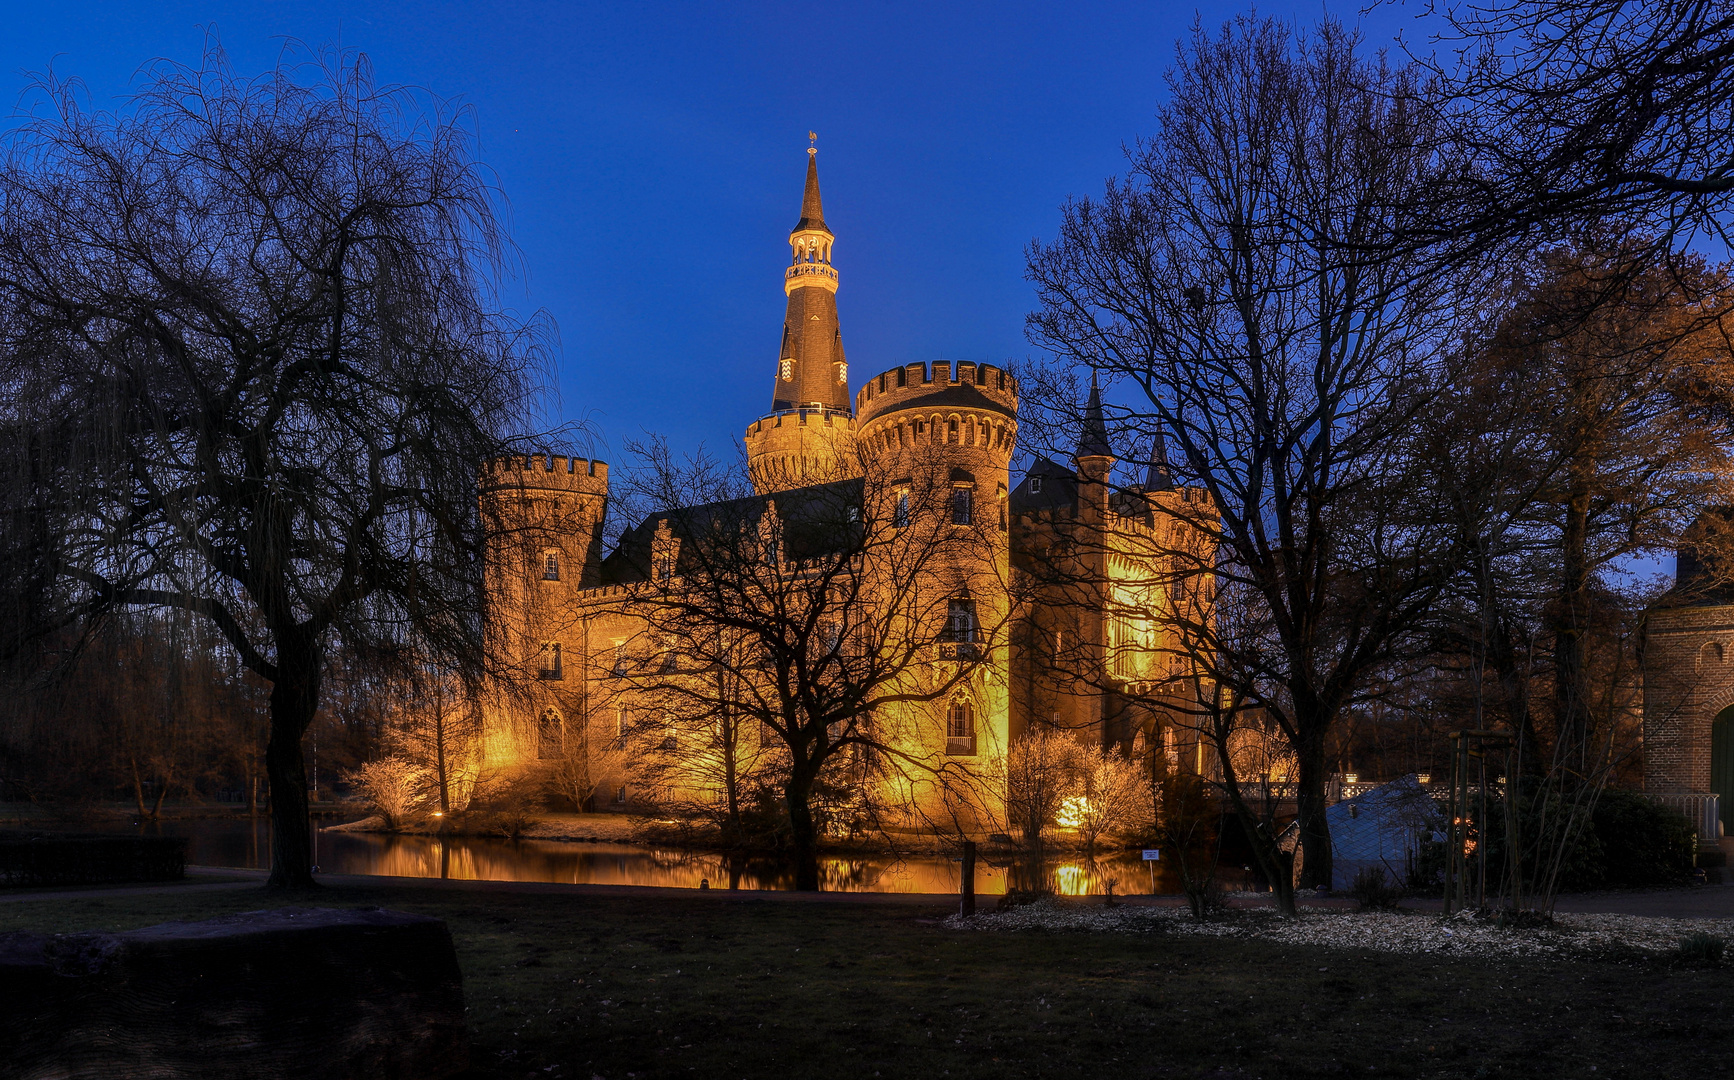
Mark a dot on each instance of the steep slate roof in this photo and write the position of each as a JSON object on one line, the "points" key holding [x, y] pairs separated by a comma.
{"points": [[814, 522], [955, 396], [1158, 478], [1059, 487], [812, 211], [1697, 582], [1094, 440]]}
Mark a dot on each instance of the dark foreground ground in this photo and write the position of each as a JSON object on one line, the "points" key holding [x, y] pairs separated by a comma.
{"points": [[633, 985]]}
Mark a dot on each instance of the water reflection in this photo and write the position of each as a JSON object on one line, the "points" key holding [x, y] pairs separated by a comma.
{"points": [[246, 843]]}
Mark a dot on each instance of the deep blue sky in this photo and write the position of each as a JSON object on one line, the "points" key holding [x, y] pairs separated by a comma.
{"points": [[653, 157]]}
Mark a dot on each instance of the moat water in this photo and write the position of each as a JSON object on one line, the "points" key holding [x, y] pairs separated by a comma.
{"points": [[247, 844]]}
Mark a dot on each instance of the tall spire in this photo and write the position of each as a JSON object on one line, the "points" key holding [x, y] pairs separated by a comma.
{"points": [[809, 436], [812, 372], [812, 210], [1094, 441]]}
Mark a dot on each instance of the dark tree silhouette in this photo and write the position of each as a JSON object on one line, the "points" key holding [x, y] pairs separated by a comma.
{"points": [[1245, 283], [253, 361]]}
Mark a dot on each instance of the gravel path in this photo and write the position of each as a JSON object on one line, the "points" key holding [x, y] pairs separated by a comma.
{"points": [[1573, 934]]}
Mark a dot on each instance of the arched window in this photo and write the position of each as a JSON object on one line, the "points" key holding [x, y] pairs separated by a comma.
{"points": [[962, 505], [960, 728], [550, 735], [550, 661]]}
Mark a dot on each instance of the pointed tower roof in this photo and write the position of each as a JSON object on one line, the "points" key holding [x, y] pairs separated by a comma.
{"points": [[1094, 441], [812, 210], [1159, 478]]}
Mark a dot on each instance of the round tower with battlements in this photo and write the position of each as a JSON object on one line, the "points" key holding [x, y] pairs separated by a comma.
{"points": [[936, 443], [809, 435]]}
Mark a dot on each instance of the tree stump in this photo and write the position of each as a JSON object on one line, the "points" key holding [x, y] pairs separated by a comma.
{"points": [[308, 993]]}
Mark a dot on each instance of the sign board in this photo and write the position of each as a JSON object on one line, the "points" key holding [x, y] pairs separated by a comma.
{"points": [[1152, 854]]}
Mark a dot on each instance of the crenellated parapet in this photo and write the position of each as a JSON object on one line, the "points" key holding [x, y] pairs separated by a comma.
{"points": [[923, 385], [554, 472], [967, 406]]}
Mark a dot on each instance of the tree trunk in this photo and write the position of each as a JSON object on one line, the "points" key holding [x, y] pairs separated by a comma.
{"points": [[440, 760], [731, 779], [162, 793], [294, 698], [137, 787], [803, 836], [1310, 804], [1570, 623]]}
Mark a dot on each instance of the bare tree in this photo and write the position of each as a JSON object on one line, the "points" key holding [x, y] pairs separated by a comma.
{"points": [[1580, 111], [1227, 282], [438, 729], [836, 615], [248, 328]]}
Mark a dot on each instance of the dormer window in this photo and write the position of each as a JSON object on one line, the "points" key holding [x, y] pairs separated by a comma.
{"points": [[1035, 485], [787, 369], [843, 373], [550, 566]]}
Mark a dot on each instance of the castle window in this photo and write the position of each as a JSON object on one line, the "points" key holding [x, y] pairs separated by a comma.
{"points": [[550, 566], [951, 431], [843, 373], [550, 659], [960, 729], [900, 516], [622, 722], [1035, 485], [620, 660], [787, 371], [550, 735], [962, 505], [960, 620]]}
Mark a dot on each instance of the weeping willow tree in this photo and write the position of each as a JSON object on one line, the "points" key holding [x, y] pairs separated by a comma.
{"points": [[252, 357]]}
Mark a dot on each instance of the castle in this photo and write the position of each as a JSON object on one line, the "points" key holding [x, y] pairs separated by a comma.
{"points": [[1011, 606]]}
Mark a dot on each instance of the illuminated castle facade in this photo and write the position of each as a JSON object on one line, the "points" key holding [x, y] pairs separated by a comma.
{"points": [[1051, 651]]}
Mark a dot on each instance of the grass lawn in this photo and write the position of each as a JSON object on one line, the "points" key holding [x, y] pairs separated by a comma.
{"points": [[564, 986]]}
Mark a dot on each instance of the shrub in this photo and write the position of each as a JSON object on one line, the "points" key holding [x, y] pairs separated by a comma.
{"points": [[509, 805], [1702, 949], [1629, 841], [1376, 890], [1642, 842], [391, 786], [1015, 898], [1205, 897]]}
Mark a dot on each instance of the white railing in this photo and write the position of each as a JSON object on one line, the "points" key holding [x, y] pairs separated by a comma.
{"points": [[1703, 811]]}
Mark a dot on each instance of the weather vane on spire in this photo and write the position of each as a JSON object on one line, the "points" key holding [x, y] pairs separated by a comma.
{"points": [[813, 140]]}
